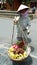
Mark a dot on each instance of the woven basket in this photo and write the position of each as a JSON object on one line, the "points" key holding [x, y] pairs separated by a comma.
{"points": [[28, 50]]}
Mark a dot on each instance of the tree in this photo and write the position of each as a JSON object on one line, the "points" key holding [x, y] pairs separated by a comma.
{"points": [[26, 2], [10, 2]]}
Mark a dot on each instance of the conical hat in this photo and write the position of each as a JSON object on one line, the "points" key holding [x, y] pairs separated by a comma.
{"points": [[21, 7]]}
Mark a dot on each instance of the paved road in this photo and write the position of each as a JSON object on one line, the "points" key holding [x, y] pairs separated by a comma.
{"points": [[33, 37], [5, 35]]}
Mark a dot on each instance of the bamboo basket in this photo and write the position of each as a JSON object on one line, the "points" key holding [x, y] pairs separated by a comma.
{"points": [[28, 50]]}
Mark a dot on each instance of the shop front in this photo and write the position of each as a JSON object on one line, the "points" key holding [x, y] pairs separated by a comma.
{"points": [[33, 3]]}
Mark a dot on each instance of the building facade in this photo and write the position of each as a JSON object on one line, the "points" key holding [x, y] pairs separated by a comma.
{"points": [[33, 3]]}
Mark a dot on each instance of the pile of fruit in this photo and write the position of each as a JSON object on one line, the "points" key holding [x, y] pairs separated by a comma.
{"points": [[17, 51]]}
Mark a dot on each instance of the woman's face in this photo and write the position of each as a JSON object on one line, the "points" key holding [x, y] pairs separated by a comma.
{"points": [[23, 11]]}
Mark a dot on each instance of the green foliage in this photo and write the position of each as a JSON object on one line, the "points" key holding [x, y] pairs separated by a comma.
{"points": [[18, 42], [10, 2], [26, 1]]}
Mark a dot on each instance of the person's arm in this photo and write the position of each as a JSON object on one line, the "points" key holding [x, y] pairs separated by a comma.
{"points": [[28, 21], [28, 26]]}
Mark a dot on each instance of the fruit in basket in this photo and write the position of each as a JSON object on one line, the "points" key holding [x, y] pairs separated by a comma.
{"points": [[15, 46], [20, 51], [17, 53], [17, 56], [12, 55], [25, 54], [21, 43], [11, 49], [20, 56]]}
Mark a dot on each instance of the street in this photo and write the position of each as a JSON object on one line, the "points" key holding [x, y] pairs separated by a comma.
{"points": [[5, 39]]}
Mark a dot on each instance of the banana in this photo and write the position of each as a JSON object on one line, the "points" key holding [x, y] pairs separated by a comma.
{"points": [[11, 49], [17, 56], [20, 56], [25, 54], [12, 55]]}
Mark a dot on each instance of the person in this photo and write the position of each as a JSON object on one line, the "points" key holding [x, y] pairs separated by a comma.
{"points": [[33, 10], [23, 23]]}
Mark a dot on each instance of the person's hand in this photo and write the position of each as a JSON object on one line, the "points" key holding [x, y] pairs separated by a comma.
{"points": [[16, 18], [28, 31], [27, 28]]}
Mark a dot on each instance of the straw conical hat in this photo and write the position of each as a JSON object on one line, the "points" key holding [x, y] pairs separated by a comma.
{"points": [[21, 7]]}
